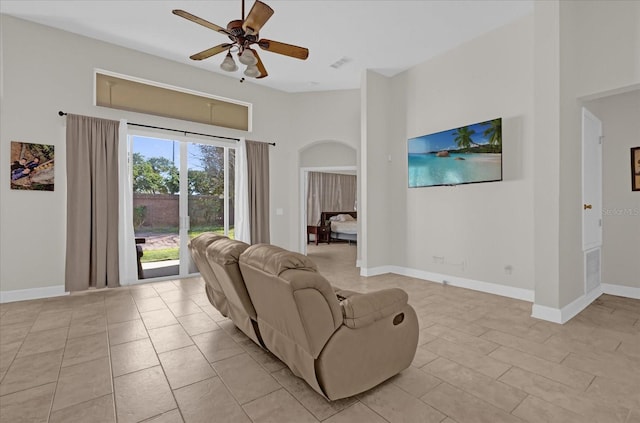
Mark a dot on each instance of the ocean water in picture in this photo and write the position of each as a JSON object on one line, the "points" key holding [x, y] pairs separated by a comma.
{"points": [[464, 155], [428, 169]]}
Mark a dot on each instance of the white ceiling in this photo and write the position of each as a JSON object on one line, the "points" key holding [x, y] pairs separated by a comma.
{"points": [[386, 36]]}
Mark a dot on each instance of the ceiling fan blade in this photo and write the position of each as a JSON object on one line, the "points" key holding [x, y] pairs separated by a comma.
{"points": [[259, 65], [200, 21], [282, 48], [211, 51], [257, 17]]}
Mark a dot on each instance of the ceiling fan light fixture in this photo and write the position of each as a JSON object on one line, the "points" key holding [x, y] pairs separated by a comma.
{"points": [[252, 71], [228, 64], [246, 57], [244, 33]]}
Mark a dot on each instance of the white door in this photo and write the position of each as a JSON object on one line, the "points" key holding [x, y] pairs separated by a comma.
{"points": [[591, 181], [591, 199]]}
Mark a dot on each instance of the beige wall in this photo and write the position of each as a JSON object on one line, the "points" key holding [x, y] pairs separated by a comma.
{"points": [[479, 229], [621, 206], [309, 120], [328, 154], [599, 52], [374, 215], [45, 70], [582, 49], [564, 52], [546, 153]]}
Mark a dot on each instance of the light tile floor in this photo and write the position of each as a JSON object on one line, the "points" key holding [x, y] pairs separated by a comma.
{"points": [[161, 353]]}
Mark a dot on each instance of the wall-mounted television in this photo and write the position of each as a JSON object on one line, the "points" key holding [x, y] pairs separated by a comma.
{"points": [[465, 155]]}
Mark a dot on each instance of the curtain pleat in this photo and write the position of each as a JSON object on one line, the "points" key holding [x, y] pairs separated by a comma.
{"points": [[258, 188], [92, 203], [329, 192], [126, 232], [242, 221]]}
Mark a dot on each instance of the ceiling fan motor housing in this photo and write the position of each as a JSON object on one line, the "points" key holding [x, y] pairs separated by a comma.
{"points": [[238, 34]]}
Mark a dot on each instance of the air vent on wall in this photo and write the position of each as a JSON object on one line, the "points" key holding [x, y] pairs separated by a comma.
{"points": [[592, 269]]}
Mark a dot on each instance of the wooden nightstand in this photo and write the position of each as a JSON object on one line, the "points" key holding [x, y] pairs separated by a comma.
{"points": [[322, 233]]}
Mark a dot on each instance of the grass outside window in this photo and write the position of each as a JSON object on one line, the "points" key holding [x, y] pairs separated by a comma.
{"points": [[162, 254]]}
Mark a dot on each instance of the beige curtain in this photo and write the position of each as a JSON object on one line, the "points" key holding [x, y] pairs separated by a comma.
{"points": [[92, 203], [330, 192], [258, 185]]}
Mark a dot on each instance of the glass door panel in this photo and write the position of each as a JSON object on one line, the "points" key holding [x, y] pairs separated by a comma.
{"points": [[208, 172], [156, 205], [231, 178], [180, 190]]}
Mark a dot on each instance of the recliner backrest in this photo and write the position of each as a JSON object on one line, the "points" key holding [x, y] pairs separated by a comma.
{"points": [[295, 304], [197, 248], [223, 256]]}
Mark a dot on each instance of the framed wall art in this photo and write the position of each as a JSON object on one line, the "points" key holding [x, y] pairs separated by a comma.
{"points": [[635, 169], [466, 155], [32, 166]]}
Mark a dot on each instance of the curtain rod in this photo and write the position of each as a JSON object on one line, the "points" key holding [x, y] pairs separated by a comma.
{"points": [[61, 113]]}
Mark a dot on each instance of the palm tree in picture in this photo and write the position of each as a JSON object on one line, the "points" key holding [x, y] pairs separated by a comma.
{"points": [[463, 137], [494, 133]]}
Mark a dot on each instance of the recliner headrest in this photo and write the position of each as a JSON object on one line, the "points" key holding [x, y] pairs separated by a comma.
{"points": [[275, 260], [204, 239], [226, 251]]}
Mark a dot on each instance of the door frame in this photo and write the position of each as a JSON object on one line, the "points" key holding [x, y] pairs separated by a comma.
{"points": [[304, 182], [184, 225]]}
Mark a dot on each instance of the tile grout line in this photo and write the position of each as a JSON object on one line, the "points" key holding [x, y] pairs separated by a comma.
{"points": [[173, 395], [55, 391], [113, 387], [381, 416], [14, 357], [471, 393]]}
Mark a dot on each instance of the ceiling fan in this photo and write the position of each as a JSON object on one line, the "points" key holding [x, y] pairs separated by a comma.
{"points": [[243, 33]]}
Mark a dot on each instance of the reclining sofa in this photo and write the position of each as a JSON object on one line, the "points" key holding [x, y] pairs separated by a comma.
{"points": [[340, 342]]}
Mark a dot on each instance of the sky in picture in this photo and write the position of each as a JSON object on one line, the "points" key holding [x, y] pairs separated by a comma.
{"points": [[445, 140]]}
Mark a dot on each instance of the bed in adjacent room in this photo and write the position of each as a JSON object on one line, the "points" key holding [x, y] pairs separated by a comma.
{"points": [[344, 225]]}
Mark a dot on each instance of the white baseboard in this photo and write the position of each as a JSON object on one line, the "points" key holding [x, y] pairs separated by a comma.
{"points": [[555, 315], [488, 287], [621, 290], [566, 313], [375, 271], [549, 314], [32, 294]]}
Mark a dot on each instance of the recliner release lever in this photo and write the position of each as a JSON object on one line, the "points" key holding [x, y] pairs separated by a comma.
{"points": [[398, 319]]}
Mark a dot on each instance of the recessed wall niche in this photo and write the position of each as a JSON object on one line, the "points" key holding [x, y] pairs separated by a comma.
{"points": [[138, 95]]}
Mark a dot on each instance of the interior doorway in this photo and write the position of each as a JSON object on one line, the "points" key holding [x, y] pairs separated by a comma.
{"points": [[304, 192]]}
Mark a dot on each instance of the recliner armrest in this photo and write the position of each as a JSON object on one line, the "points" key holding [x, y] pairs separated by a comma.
{"points": [[344, 294], [363, 309]]}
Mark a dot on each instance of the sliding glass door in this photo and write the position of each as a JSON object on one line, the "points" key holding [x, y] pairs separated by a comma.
{"points": [[180, 190]]}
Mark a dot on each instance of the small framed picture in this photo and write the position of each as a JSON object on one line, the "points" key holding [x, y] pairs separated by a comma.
{"points": [[32, 166], [635, 169]]}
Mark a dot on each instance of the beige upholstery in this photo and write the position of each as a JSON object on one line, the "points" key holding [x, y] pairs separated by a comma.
{"points": [[197, 248], [339, 348], [222, 255]]}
